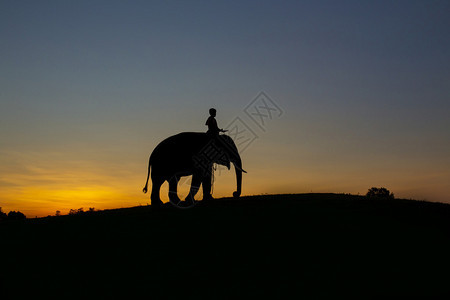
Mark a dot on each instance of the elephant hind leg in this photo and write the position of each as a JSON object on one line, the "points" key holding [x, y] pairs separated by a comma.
{"points": [[195, 186], [173, 187], [156, 186]]}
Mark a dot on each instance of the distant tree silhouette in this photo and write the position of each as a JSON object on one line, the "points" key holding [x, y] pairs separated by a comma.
{"points": [[58, 213], [76, 211], [3, 216], [16, 215], [379, 193]]}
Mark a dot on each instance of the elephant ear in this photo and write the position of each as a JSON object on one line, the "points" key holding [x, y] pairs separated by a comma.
{"points": [[223, 159], [213, 152], [228, 149]]}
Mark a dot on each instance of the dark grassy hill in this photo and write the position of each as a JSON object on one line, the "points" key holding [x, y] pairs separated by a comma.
{"points": [[274, 245]]}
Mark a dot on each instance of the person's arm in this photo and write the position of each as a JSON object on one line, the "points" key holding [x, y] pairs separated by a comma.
{"points": [[216, 127]]}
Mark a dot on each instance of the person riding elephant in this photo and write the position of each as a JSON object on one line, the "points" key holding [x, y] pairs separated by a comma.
{"points": [[212, 123]]}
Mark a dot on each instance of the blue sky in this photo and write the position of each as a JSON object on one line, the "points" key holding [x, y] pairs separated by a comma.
{"points": [[88, 88]]}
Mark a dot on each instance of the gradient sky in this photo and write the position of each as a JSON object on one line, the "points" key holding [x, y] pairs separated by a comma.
{"points": [[89, 88]]}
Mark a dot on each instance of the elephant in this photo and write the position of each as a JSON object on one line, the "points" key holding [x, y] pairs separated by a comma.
{"points": [[191, 153]]}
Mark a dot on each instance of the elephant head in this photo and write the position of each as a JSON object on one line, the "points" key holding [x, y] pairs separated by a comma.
{"points": [[231, 154], [220, 150]]}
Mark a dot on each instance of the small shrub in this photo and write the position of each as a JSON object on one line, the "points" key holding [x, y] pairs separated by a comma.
{"points": [[380, 193]]}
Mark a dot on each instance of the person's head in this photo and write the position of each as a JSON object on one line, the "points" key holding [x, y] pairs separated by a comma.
{"points": [[212, 112]]}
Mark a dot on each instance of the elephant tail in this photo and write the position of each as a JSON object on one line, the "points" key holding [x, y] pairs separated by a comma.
{"points": [[148, 176]]}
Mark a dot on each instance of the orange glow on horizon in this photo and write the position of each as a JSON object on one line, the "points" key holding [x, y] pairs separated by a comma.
{"points": [[40, 186]]}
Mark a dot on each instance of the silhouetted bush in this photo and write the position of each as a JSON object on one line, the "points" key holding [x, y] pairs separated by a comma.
{"points": [[16, 215], [379, 193]]}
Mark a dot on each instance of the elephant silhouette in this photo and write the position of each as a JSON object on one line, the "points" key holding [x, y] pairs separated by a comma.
{"points": [[191, 153]]}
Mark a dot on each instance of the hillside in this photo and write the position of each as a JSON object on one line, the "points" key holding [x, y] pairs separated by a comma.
{"points": [[271, 245]]}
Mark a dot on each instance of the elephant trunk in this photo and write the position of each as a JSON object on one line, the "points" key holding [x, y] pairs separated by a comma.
{"points": [[238, 169]]}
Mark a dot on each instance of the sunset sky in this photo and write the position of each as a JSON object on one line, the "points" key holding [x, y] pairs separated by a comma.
{"points": [[359, 91]]}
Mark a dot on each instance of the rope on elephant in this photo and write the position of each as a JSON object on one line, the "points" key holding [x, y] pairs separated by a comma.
{"points": [[214, 167]]}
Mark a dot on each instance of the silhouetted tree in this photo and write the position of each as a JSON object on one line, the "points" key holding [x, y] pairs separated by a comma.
{"points": [[3, 215], [380, 193], [16, 215], [76, 211], [58, 213]]}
